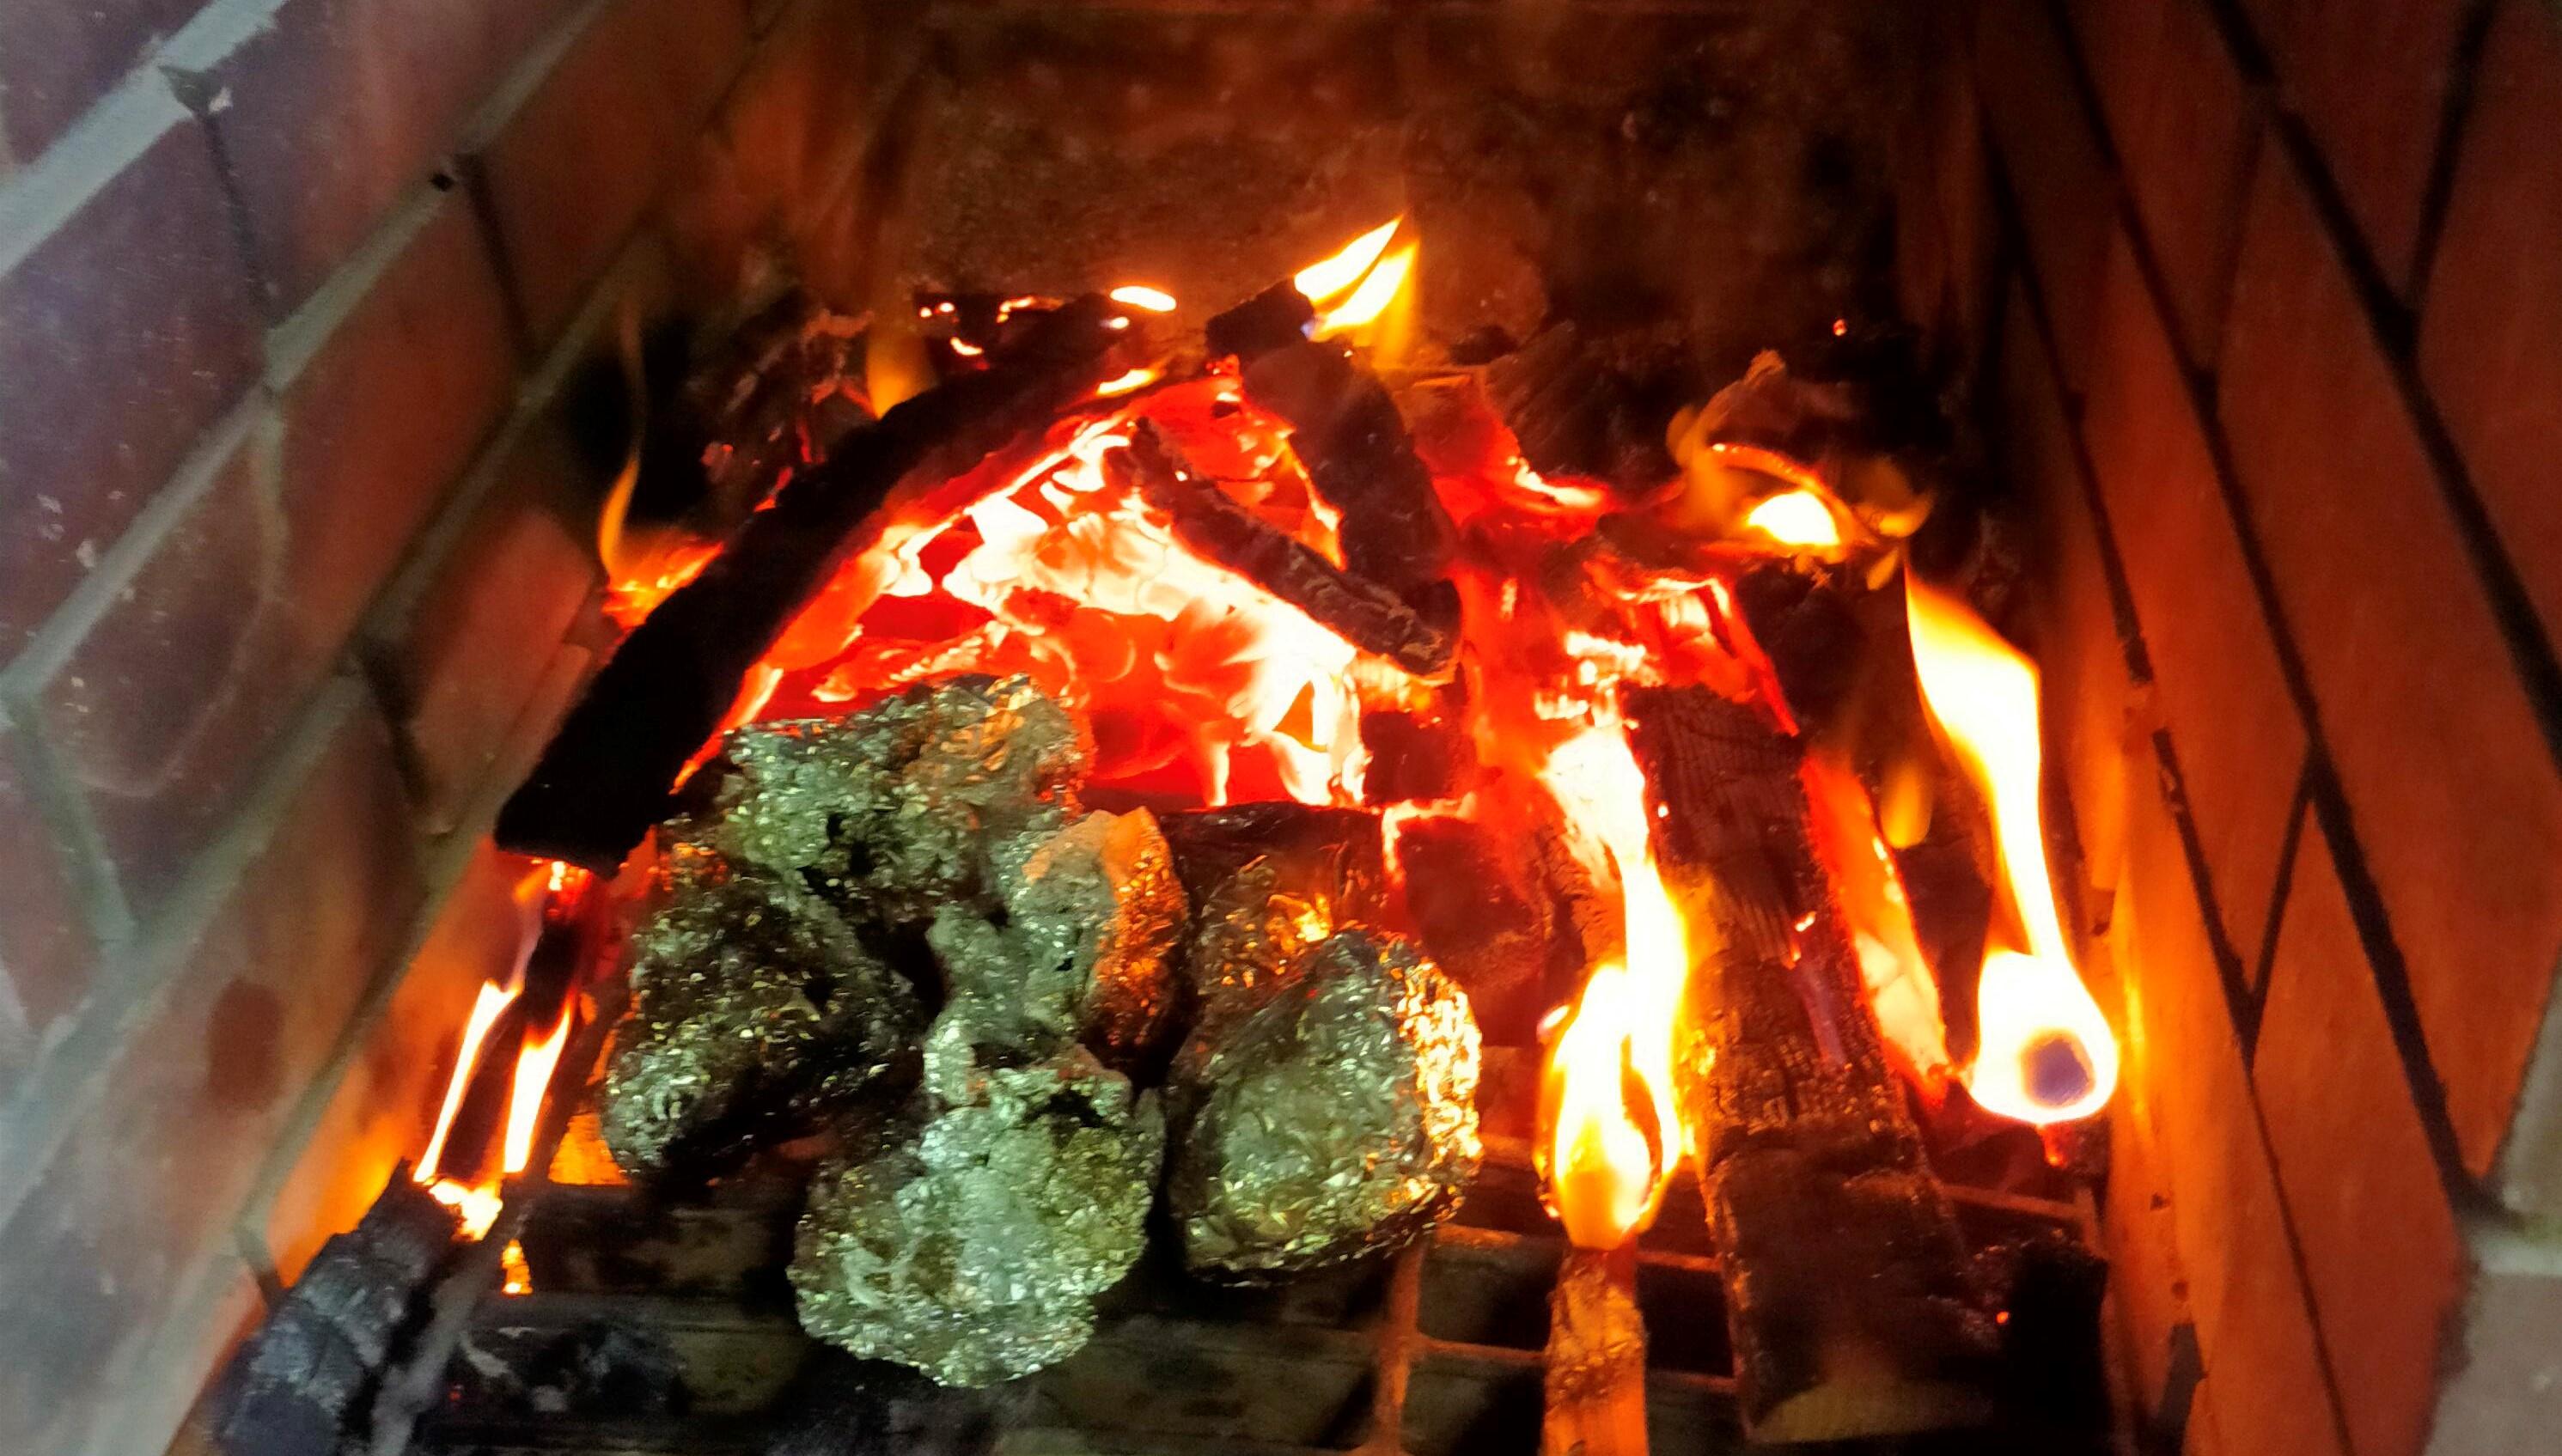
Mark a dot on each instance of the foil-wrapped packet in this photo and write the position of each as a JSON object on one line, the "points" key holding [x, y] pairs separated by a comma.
{"points": [[896, 809], [971, 1248], [756, 1012], [1329, 1113], [1091, 918]]}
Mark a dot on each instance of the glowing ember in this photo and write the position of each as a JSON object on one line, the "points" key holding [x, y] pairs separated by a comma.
{"points": [[2047, 1054], [1611, 1126], [518, 1276], [1321, 282], [1795, 518], [1124, 383], [1140, 296]]}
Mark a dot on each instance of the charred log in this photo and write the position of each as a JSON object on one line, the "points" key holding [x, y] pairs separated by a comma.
{"points": [[1848, 1299], [1363, 613], [782, 394], [1360, 459], [303, 1383], [605, 777], [1500, 920], [1275, 319], [1594, 404], [1417, 757]]}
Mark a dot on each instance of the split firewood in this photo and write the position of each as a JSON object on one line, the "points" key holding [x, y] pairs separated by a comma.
{"points": [[1347, 431], [1216, 528], [605, 775], [1597, 1358], [1849, 1301], [303, 1383]]}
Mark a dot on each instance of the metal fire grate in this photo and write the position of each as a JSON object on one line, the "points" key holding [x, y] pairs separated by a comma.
{"points": [[669, 1328]]}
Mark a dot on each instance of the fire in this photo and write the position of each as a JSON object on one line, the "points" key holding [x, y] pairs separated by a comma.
{"points": [[538, 895], [1370, 301], [1122, 384], [1795, 518], [1612, 1129], [2047, 1053], [1140, 296], [1320, 282]]}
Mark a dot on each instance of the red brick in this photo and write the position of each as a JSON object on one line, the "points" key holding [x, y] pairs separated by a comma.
{"points": [[2355, 1164], [2183, 1067], [2454, 797], [383, 1105], [2370, 79], [331, 110], [2216, 673], [382, 419], [118, 1226], [165, 708], [2491, 329], [47, 953], [2503, 1388], [2057, 172], [571, 170], [58, 55], [126, 326], [465, 655], [2088, 697]]}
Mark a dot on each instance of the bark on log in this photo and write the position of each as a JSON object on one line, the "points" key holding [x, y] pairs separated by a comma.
{"points": [[298, 1385], [1345, 430], [604, 779], [1597, 1358], [1363, 613], [1848, 1296]]}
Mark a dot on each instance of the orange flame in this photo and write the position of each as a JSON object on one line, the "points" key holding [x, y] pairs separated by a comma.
{"points": [[1320, 282], [1612, 1127], [1140, 296], [2047, 1054], [1795, 518], [1368, 301], [491, 1004], [535, 1066], [1122, 384]]}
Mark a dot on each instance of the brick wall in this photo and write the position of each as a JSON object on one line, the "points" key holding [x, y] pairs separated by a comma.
{"points": [[2264, 301], [293, 574]]}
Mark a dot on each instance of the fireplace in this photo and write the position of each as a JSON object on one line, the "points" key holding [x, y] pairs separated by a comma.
{"points": [[320, 327]]}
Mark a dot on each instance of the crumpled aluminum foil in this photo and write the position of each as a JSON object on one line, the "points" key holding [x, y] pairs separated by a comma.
{"points": [[1092, 916], [1332, 1112], [755, 1013], [972, 1249], [896, 809]]}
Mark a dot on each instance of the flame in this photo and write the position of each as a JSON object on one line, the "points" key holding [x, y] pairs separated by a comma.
{"points": [[1795, 518], [1368, 301], [1320, 282], [478, 1205], [535, 1066], [2047, 1054], [1612, 1126], [1140, 296], [518, 1276], [486, 1008], [1124, 383]]}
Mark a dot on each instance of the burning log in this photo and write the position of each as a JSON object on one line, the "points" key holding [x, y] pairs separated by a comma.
{"points": [[605, 775], [303, 1383], [1597, 1358], [783, 390], [1216, 528], [1325, 1114], [1595, 405], [1507, 912], [1848, 1296], [1348, 433]]}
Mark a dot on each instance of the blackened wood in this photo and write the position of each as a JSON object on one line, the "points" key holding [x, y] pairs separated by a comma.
{"points": [[1217, 529], [1347, 431], [298, 1384], [782, 391], [1417, 757], [604, 779], [1848, 1296], [1275, 319], [1593, 402], [1308, 843]]}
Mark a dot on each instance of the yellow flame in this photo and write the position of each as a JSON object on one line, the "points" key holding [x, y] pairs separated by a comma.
{"points": [[535, 1066], [486, 1008], [1123, 384], [1319, 283], [478, 1205], [519, 1277], [1371, 298], [1795, 518], [1140, 296], [2047, 1053], [1605, 1167]]}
